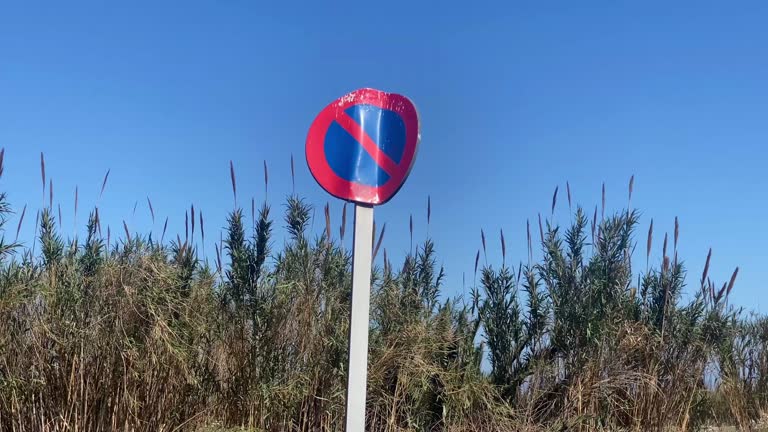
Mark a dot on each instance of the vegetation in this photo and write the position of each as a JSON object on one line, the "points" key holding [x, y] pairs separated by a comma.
{"points": [[133, 333]]}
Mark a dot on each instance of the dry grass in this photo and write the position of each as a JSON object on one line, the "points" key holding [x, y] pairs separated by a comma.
{"points": [[136, 334]]}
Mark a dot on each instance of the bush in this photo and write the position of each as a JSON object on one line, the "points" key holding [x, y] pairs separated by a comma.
{"points": [[136, 334]]}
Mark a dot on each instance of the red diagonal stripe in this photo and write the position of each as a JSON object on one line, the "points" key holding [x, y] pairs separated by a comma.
{"points": [[382, 160]]}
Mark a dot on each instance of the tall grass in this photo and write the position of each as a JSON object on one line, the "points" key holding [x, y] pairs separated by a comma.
{"points": [[133, 333]]}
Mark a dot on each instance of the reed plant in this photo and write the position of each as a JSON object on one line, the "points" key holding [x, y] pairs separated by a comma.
{"points": [[132, 332]]}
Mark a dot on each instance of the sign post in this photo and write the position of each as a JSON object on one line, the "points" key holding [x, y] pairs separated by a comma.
{"points": [[361, 148], [358, 324]]}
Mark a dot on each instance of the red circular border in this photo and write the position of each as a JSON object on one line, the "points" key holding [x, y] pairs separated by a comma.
{"points": [[350, 191]]}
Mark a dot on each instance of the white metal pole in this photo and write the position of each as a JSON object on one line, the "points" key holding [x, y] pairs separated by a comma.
{"points": [[358, 324]]}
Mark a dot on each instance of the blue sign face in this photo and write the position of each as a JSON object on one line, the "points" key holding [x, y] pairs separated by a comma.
{"points": [[361, 147], [386, 128]]}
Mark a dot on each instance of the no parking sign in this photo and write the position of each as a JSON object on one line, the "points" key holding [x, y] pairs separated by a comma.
{"points": [[361, 148]]}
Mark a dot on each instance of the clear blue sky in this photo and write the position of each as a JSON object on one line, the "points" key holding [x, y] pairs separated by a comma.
{"points": [[514, 100]]}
